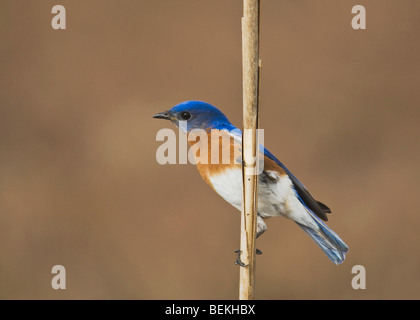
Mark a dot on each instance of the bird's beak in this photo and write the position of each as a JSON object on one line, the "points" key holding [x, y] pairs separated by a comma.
{"points": [[163, 115]]}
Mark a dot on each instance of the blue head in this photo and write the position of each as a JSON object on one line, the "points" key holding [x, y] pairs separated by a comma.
{"points": [[197, 114]]}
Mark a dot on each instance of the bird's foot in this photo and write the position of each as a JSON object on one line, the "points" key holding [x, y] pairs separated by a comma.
{"points": [[238, 259]]}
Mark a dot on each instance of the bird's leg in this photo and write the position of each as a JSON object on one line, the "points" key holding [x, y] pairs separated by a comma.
{"points": [[261, 227], [238, 259]]}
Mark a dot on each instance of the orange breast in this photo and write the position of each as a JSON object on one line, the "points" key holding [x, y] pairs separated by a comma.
{"points": [[214, 153]]}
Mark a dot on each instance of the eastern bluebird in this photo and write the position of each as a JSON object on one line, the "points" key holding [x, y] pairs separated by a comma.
{"points": [[280, 193]]}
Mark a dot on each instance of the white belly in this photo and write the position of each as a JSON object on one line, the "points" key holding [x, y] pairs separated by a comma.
{"points": [[229, 186], [274, 198]]}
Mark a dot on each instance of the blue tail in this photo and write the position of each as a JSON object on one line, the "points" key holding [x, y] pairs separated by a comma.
{"points": [[327, 240]]}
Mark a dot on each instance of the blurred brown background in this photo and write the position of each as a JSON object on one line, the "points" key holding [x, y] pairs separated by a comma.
{"points": [[80, 185]]}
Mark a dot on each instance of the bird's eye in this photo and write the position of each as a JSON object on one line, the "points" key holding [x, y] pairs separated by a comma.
{"points": [[186, 115]]}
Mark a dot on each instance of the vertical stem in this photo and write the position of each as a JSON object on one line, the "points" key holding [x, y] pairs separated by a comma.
{"points": [[251, 64]]}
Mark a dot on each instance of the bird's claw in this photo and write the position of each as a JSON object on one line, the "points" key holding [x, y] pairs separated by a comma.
{"points": [[238, 260]]}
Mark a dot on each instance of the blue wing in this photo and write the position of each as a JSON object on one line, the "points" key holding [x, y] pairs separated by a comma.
{"points": [[304, 196]]}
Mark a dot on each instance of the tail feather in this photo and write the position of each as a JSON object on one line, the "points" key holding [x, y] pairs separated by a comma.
{"points": [[327, 240]]}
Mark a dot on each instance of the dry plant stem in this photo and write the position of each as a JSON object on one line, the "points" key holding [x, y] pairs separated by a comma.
{"points": [[251, 75]]}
